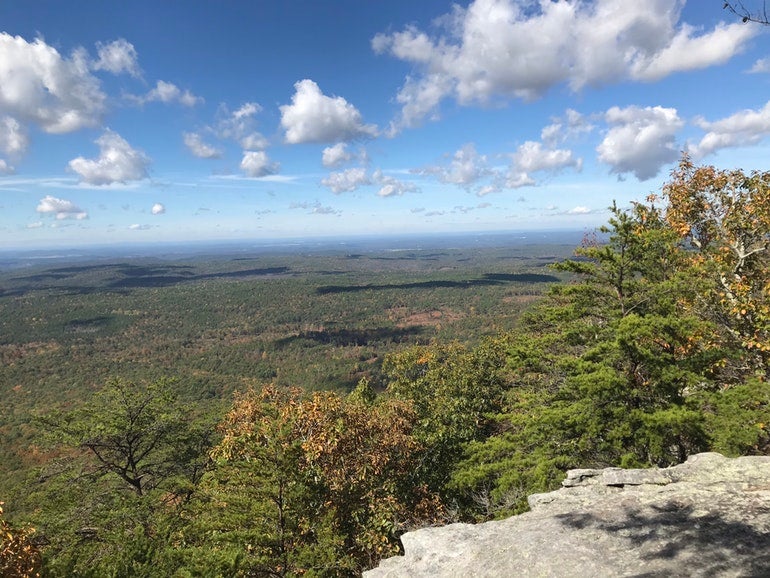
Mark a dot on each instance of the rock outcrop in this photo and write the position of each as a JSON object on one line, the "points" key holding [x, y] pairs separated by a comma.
{"points": [[707, 517]]}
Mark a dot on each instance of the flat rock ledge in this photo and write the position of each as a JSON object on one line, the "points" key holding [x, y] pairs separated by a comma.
{"points": [[709, 516]]}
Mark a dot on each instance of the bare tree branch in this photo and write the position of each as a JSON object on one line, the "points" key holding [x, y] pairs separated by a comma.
{"points": [[746, 15]]}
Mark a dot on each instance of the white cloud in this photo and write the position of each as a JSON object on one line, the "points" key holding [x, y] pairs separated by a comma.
{"points": [[314, 117], [38, 86], [420, 99], [640, 141], [240, 126], [315, 208], [469, 169], [465, 168], [138, 227], [685, 52], [489, 189], [562, 129], [253, 142], [247, 109], [501, 49], [257, 164], [515, 180], [168, 93], [13, 142], [35, 225], [13, 137], [579, 210], [117, 57], [194, 143], [742, 128], [532, 157], [320, 210], [761, 66], [117, 162], [336, 155], [60, 208], [346, 181], [391, 186], [158, 209]]}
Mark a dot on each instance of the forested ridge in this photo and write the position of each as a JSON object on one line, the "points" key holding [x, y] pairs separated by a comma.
{"points": [[653, 347]]}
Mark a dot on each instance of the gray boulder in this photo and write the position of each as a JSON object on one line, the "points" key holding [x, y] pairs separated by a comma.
{"points": [[709, 516]]}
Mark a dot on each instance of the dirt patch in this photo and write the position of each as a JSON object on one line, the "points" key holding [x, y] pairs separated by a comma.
{"points": [[403, 317]]}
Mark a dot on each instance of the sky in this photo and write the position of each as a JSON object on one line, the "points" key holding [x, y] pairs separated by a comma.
{"points": [[151, 122]]}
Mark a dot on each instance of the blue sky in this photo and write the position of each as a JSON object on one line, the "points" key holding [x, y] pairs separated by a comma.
{"points": [[155, 121]]}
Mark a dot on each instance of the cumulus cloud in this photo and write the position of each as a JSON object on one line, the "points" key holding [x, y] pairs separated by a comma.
{"points": [[688, 52], [314, 117], [492, 188], [742, 128], [501, 49], [168, 92], [38, 86], [471, 170], [158, 209], [257, 164], [117, 57], [572, 125], [419, 99], [253, 142], [391, 186], [640, 141], [13, 142], [13, 137], [347, 180], [247, 110], [515, 180], [336, 155], [240, 126], [532, 157], [60, 208], [465, 167], [117, 162], [194, 143]]}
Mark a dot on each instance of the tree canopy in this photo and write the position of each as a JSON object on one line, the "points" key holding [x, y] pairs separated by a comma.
{"points": [[656, 347]]}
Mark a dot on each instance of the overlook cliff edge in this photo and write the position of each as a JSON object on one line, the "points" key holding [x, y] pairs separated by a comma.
{"points": [[709, 516]]}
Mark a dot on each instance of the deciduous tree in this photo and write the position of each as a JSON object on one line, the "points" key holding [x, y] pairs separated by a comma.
{"points": [[723, 217], [309, 483], [129, 459], [19, 557], [454, 390]]}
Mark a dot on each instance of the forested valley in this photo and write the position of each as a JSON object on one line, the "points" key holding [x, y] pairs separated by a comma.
{"points": [[294, 415]]}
